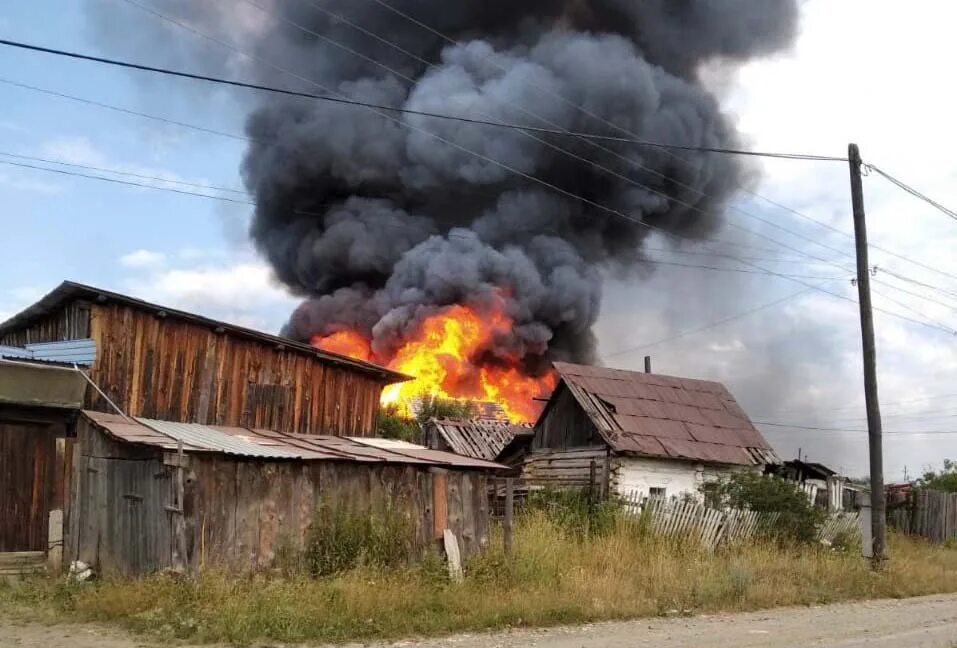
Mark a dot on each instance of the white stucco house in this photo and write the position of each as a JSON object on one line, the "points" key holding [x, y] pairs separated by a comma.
{"points": [[632, 432]]}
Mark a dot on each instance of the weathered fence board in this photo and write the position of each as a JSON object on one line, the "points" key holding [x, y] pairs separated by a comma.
{"points": [[927, 513]]}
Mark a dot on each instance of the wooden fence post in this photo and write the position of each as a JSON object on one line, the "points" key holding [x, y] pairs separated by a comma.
{"points": [[509, 512]]}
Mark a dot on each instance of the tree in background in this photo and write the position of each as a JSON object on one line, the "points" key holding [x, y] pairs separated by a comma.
{"points": [[394, 425], [799, 520], [945, 480]]}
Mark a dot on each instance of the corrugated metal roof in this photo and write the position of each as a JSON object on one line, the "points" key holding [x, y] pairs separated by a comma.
{"points": [[269, 444], [81, 352], [665, 416], [480, 439], [70, 290], [204, 436]]}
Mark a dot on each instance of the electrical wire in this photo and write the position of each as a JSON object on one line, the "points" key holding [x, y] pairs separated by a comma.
{"points": [[130, 174], [408, 111], [342, 99], [914, 192], [711, 325], [552, 93], [832, 429], [861, 406], [251, 203], [341, 19], [99, 104], [522, 174]]}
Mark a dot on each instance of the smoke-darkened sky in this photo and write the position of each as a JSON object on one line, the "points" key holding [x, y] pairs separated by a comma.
{"points": [[798, 361]]}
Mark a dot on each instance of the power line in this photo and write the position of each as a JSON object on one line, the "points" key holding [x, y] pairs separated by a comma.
{"points": [[410, 126], [408, 111], [344, 100], [125, 182], [739, 270], [854, 407], [616, 127], [708, 326], [411, 81], [566, 152], [126, 173], [251, 203], [522, 174], [98, 104], [832, 429], [914, 192]]}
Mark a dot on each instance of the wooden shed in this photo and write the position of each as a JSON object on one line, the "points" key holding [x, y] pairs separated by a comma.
{"points": [[148, 495], [38, 404], [165, 363]]}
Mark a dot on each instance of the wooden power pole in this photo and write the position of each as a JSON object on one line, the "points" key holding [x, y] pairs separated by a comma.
{"points": [[874, 432]]}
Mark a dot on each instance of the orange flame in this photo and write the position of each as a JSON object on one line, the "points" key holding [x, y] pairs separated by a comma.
{"points": [[347, 343], [440, 355]]}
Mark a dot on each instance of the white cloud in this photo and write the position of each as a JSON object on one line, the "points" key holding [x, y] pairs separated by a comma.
{"points": [[82, 151], [244, 292], [142, 259], [23, 180]]}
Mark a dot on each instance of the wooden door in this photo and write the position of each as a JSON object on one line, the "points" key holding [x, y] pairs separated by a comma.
{"points": [[27, 478]]}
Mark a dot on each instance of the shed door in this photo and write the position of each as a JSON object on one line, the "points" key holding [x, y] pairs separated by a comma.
{"points": [[27, 459]]}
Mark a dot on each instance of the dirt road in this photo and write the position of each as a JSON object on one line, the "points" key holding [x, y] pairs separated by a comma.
{"points": [[927, 622]]}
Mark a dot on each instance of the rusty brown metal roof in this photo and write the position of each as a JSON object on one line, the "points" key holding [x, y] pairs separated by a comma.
{"points": [[665, 416], [481, 439], [269, 444]]}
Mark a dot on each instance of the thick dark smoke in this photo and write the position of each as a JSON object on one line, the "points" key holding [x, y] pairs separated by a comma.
{"points": [[382, 219]]}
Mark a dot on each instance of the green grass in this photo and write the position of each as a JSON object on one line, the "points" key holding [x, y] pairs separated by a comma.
{"points": [[554, 576]]}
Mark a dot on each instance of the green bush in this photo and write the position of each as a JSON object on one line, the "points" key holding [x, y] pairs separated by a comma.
{"points": [[799, 519], [393, 425], [343, 537], [945, 480]]}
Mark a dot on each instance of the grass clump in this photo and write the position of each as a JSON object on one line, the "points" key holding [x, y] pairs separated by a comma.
{"points": [[556, 574], [342, 537]]}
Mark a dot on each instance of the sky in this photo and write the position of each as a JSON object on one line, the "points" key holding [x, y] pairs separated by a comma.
{"points": [[867, 71]]}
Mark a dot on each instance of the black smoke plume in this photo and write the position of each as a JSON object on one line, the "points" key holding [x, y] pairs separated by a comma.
{"points": [[382, 219]]}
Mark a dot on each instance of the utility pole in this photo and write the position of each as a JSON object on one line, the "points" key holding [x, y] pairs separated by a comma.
{"points": [[647, 364], [874, 432]]}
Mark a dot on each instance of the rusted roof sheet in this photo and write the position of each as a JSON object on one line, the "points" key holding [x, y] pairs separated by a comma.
{"points": [[269, 444], [666, 416], [480, 439]]}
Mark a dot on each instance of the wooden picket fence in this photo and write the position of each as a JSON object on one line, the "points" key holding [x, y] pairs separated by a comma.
{"points": [[840, 524], [712, 527]]}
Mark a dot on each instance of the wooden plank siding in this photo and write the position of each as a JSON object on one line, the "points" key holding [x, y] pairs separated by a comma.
{"points": [[28, 483], [565, 425], [175, 369], [239, 512]]}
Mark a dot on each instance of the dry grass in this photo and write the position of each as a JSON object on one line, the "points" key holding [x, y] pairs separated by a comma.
{"points": [[551, 578]]}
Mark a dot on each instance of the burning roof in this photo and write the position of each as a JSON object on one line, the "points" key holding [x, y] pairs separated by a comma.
{"points": [[665, 416]]}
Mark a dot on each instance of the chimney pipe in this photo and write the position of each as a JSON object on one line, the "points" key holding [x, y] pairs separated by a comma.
{"points": [[647, 364]]}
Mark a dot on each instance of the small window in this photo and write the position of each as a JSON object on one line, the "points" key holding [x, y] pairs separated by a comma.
{"points": [[657, 493]]}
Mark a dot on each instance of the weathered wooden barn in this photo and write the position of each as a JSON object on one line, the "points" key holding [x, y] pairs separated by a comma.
{"points": [[233, 496], [628, 432], [88, 457], [165, 363]]}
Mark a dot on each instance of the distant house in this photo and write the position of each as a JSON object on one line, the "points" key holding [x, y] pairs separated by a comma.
{"points": [[625, 431], [824, 486]]}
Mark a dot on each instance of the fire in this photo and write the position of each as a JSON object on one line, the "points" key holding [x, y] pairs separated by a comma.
{"points": [[347, 343], [440, 355]]}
